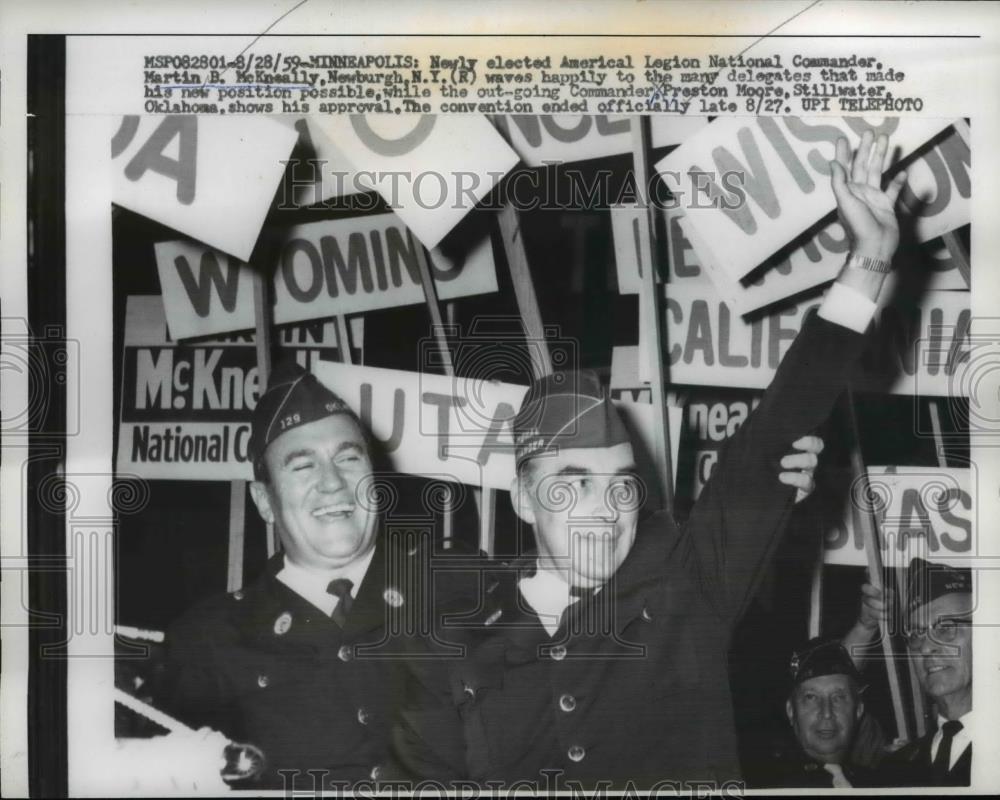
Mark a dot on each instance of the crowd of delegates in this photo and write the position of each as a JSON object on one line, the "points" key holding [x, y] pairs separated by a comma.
{"points": [[602, 656]]}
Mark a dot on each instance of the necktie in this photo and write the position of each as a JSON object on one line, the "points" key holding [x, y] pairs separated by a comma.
{"points": [[942, 762], [839, 778], [341, 589]]}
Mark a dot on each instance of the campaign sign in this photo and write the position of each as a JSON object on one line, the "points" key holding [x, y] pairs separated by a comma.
{"points": [[543, 139], [750, 186], [186, 408], [922, 512], [323, 173], [430, 169], [210, 177], [937, 198], [324, 269], [456, 428], [916, 350]]}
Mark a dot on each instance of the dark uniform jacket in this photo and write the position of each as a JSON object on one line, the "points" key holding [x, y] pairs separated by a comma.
{"points": [[262, 665], [649, 701], [791, 768], [911, 765]]}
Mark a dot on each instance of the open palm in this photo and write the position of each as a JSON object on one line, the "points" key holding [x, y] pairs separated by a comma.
{"points": [[866, 210]]}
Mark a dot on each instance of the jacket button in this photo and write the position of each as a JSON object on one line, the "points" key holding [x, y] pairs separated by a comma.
{"points": [[376, 772], [567, 703], [362, 716], [263, 681], [576, 753], [345, 653], [557, 652]]}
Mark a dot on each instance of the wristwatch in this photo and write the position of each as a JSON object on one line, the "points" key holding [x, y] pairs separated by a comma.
{"points": [[870, 264]]}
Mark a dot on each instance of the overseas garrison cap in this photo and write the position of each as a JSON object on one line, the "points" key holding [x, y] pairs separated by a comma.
{"points": [[294, 397], [566, 409], [927, 581], [820, 657]]}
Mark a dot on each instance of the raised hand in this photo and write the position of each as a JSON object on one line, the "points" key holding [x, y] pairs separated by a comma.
{"points": [[873, 607], [865, 209]]}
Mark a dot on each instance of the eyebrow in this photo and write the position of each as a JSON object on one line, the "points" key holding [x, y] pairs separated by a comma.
{"points": [[306, 452], [571, 469]]}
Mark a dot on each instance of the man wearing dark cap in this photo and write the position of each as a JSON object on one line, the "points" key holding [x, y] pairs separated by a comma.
{"points": [[282, 663], [939, 641], [603, 659], [824, 707]]}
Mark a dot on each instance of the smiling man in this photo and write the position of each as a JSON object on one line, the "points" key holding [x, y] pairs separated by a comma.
{"points": [[284, 663], [603, 659], [939, 642]]}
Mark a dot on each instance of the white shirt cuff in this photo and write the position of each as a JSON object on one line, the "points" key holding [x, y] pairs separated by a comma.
{"points": [[844, 305]]}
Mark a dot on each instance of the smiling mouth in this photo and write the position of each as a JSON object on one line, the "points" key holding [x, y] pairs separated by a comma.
{"points": [[334, 511], [933, 670]]}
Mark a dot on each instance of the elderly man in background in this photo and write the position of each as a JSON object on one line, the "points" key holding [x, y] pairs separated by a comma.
{"points": [[938, 636]]}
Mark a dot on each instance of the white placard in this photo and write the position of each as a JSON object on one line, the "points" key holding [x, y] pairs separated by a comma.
{"points": [[210, 177], [324, 269], [431, 169]]}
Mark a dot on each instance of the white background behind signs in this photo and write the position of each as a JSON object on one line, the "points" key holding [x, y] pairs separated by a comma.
{"points": [[418, 161], [783, 172], [226, 303], [210, 177], [923, 512]]}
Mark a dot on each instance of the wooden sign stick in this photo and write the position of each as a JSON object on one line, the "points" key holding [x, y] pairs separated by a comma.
{"points": [[262, 338], [864, 521], [650, 318], [816, 595], [437, 323], [344, 340], [520, 275], [957, 252]]}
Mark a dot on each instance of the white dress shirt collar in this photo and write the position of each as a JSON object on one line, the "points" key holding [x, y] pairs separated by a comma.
{"points": [[548, 594], [311, 585], [961, 740]]}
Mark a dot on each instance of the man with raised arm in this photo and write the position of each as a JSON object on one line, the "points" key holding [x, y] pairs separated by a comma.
{"points": [[602, 659]]}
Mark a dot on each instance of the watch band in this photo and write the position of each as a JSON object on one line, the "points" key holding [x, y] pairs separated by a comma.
{"points": [[870, 264]]}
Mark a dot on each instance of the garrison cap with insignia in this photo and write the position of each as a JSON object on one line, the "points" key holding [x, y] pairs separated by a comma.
{"points": [[294, 397], [927, 581], [820, 657], [566, 409]]}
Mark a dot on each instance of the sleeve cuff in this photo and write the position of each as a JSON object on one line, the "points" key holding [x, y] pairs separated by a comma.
{"points": [[848, 307]]}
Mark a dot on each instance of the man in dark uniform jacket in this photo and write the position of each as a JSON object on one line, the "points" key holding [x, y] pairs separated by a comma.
{"points": [[604, 658], [824, 708], [300, 662], [939, 641]]}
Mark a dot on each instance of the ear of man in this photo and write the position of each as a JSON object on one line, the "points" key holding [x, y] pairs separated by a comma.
{"points": [[520, 495], [262, 499]]}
